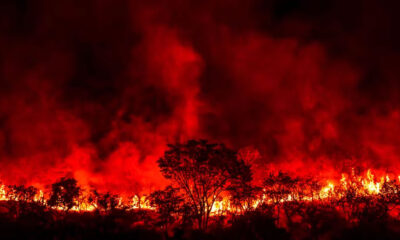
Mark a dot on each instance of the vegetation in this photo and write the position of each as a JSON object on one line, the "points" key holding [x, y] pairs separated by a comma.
{"points": [[203, 176], [202, 171]]}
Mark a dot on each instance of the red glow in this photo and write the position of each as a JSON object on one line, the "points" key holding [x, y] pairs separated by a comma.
{"points": [[99, 99]]}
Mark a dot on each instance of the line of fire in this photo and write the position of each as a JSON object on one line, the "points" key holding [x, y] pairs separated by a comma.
{"points": [[211, 184]]}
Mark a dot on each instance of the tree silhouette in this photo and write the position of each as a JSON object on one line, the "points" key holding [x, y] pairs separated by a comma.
{"points": [[278, 189], [104, 202], [202, 171], [64, 193], [168, 203], [244, 196], [21, 198], [21, 193]]}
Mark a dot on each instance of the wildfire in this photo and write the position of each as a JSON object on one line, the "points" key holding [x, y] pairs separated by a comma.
{"points": [[359, 185], [327, 190], [141, 202]]}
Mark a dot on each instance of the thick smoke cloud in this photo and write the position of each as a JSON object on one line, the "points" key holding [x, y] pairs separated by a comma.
{"points": [[96, 89]]}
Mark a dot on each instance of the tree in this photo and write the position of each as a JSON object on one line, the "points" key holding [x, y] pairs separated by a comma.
{"points": [[107, 202], [279, 189], [202, 171], [103, 201], [243, 195], [64, 193], [21, 198], [22, 193], [168, 203]]}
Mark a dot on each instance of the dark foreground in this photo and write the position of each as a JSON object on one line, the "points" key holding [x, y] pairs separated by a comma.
{"points": [[37, 222]]}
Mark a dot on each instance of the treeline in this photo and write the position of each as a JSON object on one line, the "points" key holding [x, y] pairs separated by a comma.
{"points": [[203, 176], [202, 173]]}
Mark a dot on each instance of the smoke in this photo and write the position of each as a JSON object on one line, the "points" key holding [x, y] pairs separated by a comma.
{"points": [[96, 89]]}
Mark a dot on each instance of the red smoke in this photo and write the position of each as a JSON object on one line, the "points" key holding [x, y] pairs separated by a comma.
{"points": [[96, 90]]}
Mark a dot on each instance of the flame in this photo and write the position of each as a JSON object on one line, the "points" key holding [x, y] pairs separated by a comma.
{"points": [[364, 185], [327, 190], [141, 202]]}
